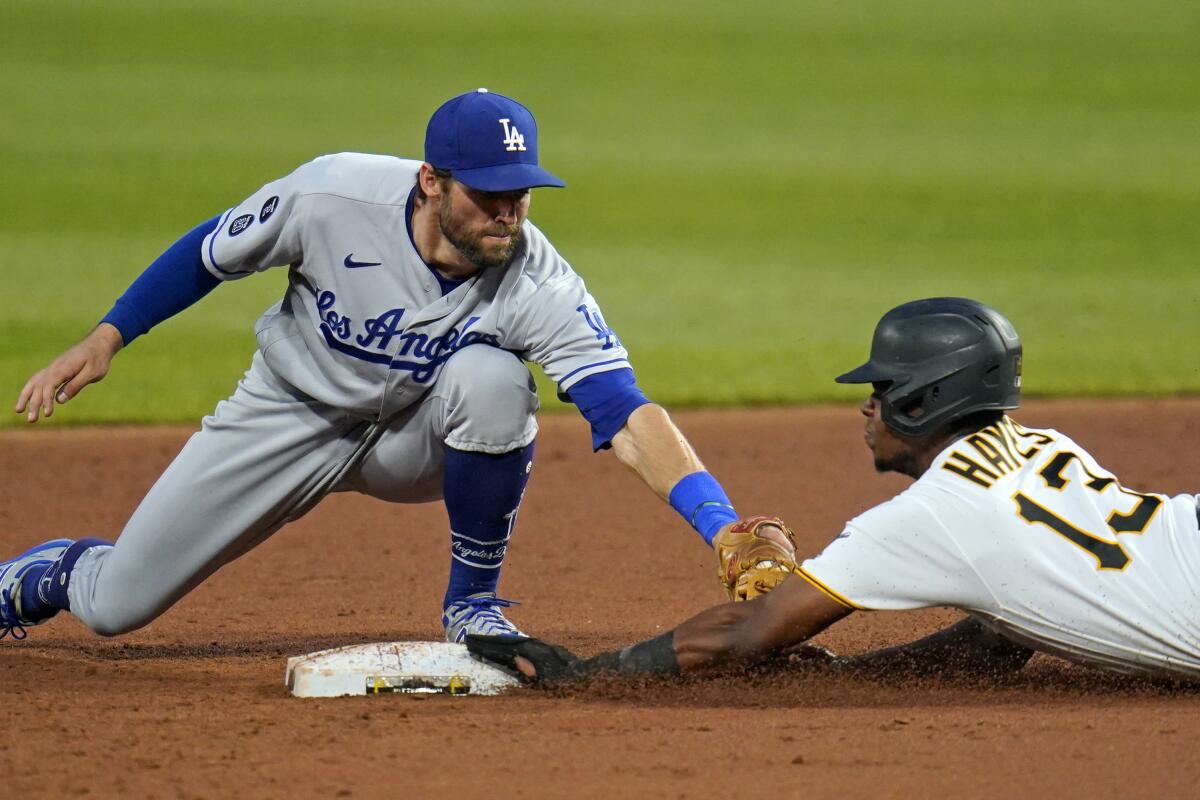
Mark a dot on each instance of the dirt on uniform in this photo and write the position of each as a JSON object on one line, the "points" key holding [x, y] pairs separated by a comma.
{"points": [[195, 706]]}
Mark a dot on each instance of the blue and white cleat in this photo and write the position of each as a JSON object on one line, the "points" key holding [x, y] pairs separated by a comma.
{"points": [[478, 614], [12, 622]]}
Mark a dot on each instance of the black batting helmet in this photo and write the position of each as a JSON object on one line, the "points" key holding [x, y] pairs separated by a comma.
{"points": [[940, 360]]}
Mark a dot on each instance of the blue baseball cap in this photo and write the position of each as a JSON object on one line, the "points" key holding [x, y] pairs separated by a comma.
{"points": [[487, 141]]}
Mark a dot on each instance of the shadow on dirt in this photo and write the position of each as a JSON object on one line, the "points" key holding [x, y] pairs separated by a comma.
{"points": [[1047, 681], [273, 647]]}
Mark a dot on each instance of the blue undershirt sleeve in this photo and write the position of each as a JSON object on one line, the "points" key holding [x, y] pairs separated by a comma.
{"points": [[606, 400], [175, 280]]}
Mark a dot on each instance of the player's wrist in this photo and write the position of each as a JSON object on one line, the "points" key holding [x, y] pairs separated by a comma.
{"points": [[703, 504], [652, 657], [109, 334]]}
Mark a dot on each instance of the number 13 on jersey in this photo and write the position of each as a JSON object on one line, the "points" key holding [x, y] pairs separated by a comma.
{"points": [[1109, 554]]}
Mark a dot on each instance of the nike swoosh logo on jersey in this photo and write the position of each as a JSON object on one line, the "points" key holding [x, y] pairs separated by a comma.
{"points": [[352, 264]]}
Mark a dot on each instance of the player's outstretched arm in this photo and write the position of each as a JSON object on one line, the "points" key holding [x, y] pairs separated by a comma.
{"points": [[719, 636], [753, 554], [174, 281], [84, 363], [651, 445], [754, 630], [965, 649]]}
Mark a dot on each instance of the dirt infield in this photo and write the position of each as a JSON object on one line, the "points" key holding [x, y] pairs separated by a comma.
{"points": [[194, 706]]}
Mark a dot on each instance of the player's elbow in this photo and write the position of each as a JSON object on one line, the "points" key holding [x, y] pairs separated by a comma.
{"points": [[642, 420]]}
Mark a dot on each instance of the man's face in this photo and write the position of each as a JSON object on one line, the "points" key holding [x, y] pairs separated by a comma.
{"points": [[484, 226], [893, 451]]}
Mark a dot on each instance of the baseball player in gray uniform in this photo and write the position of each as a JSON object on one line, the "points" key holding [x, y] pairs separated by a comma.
{"points": [[393, 366], [1021, 528]]}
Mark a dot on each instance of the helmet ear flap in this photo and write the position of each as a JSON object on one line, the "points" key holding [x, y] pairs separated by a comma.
{"points": [[903, 412], [913, 409]]}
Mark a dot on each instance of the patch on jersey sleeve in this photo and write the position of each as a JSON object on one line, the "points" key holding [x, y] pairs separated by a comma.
{"points": [[268, 209], [240, 224]]}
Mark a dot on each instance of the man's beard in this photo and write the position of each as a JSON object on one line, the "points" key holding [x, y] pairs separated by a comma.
{"points": [[904, 463], [471, 245]]}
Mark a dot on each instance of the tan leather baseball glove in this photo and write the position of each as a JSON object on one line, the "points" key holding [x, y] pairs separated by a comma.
{"points": [[753, 555]]}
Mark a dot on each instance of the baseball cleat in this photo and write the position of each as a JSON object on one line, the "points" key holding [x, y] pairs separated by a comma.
{"points": [[11, 573], [479, 614]]}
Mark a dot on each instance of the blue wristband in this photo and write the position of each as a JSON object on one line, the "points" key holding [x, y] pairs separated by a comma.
{"points": [[701, 501]]}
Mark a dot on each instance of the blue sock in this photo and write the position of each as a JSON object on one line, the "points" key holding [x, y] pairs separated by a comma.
{"points": [[482, 493], [44, 594], [32, 607]]}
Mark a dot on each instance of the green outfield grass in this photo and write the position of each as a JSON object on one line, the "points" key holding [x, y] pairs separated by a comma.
{"points": [[751, 184]]}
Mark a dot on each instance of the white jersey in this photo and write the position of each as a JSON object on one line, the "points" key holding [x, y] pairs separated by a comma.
{"points": [[1023, 529], [363, 325]]}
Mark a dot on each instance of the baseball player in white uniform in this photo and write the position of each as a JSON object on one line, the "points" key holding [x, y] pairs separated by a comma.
{"points": [[1022, 529], [393, 366]]}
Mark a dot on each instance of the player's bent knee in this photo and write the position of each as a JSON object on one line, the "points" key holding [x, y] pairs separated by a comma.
{"points": [[108, 627], [116, 616], [116, 622], [490, 400]]}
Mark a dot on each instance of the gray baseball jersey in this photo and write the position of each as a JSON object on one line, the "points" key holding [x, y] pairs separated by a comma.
{"points": [[364, 326], [363, 376]]}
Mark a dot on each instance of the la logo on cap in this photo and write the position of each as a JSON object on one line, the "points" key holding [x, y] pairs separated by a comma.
{"points": [[513, 139]]}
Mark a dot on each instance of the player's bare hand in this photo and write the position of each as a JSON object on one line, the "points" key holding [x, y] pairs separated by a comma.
{"points": [[84, 363]]}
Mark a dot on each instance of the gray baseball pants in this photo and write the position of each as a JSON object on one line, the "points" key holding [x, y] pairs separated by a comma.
{"points": [[268, 454]]}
